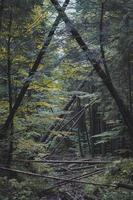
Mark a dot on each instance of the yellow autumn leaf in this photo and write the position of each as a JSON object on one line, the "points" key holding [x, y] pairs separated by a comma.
{"points": [[45, 104]]}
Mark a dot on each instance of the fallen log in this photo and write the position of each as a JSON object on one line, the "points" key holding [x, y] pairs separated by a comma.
{"points": [[66, 181], [64, 161], [72, 180], [126, 186]]}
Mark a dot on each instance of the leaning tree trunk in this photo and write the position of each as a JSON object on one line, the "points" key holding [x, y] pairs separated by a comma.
{"points": [[31, 74], [127, 116]]}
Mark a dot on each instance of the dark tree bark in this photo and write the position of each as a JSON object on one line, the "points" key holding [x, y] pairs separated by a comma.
{"points": [[101, 39], [1, 12], [127, 116], [130, 83], [9, 76]]}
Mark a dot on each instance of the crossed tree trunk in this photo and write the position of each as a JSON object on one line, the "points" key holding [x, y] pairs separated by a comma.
{"points": [[123, 108], [127, 116]]}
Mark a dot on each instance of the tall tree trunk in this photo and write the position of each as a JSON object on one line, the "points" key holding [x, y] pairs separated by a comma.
{"points": [[9, 76], [130, 83], [127, 116], [80, 144], [101, 38], [1, 12]]}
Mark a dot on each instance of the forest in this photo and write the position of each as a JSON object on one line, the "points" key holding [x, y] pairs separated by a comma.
{"points": [[66, 100]]}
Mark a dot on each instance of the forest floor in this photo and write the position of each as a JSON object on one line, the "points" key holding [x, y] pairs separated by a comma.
{"points": [[65, 176], [90, 178]]}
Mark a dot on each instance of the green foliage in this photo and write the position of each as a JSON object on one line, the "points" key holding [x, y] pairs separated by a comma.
{"points": [[63, 69], [120, 171], [29, 147], [106, 136], [23, 190], [119, 195]]}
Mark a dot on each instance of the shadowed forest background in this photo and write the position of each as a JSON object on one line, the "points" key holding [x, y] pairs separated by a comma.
{"points": [[66, 100]]}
